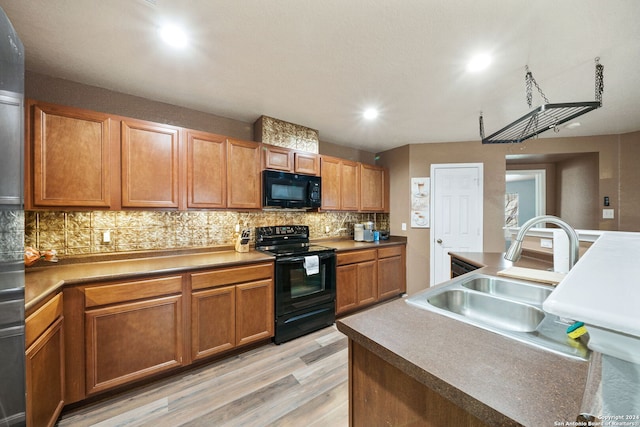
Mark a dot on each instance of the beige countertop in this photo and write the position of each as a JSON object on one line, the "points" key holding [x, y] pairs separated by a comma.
{"points": [[42, 281], [494, 261], [497, 379]]}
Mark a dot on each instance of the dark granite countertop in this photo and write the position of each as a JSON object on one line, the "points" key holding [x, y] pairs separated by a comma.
{"points": [[40, 282], [497, 379]]}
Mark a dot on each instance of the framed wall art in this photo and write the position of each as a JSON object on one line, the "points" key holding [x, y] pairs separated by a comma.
{"points": [[420, 200]]}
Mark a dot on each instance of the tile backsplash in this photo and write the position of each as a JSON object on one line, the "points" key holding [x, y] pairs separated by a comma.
{"points": [[79, 233]]}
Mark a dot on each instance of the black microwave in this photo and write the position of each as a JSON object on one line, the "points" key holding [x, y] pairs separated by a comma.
{"points": [[290, 190]]}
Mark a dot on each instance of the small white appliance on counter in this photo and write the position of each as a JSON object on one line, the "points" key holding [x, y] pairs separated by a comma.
{"points": [[358, 232], [368, 231]]}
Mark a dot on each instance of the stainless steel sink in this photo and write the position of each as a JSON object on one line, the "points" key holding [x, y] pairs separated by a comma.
{"points": [[497, 312], [519, 291], [509, 307]]}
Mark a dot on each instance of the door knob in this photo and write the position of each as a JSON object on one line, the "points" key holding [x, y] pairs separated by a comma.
{"points": [[439, 241]]}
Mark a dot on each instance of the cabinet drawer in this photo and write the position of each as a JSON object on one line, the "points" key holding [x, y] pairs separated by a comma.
{"points": [[228, 276], [39, 321], [356, 256], [121, 292], [390, 251]]}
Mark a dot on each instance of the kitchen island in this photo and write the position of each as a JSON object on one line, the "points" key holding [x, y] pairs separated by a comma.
{"points": [[411, 366]]}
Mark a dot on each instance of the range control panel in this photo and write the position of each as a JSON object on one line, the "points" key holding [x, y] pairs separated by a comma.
{"points": [[282, 233]]}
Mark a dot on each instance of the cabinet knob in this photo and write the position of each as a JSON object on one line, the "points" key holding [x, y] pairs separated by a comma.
{"points": [[439, 241]]}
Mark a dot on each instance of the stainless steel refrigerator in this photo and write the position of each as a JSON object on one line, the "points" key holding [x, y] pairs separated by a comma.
{"points": [[12, 363]]}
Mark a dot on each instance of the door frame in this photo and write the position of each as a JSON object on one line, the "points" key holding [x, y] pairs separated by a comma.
{"points": [[432, 242], [539, 177]]}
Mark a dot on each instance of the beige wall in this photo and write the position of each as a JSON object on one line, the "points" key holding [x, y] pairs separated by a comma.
{"points": [[629, 205], [66, 92], [617, 177], [577, 198], [335, 150]]}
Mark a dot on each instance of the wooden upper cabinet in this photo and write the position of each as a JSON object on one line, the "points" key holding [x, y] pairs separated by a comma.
{"points": [[373, 189], [287, 160], [340, 188], [244, 187], [350, 185], [71, 153], [330, 172], [206, 170], [306, 163], [150, 159], [277, 158]]}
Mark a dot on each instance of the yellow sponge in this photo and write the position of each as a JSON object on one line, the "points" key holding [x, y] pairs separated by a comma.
{"points": [[576, 330]]}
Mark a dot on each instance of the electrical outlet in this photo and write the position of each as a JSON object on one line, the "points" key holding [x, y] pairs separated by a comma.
{"points": [[106, 236], [546, 243], [607, 214], [237, 228], [327, 229], [404, 226]]}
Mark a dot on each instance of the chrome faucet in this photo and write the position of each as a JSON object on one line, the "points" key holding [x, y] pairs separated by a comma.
{"points": [[515, 250]]}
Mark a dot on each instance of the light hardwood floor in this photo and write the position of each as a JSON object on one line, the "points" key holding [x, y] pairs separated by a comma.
{"points": [[299, 383]]}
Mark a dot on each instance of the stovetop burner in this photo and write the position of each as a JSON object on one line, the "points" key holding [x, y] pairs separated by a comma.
{"points": [[297, 250], [286, 240]]}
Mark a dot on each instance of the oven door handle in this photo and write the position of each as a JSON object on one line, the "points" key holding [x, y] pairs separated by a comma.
{"points": [[293, 260]]}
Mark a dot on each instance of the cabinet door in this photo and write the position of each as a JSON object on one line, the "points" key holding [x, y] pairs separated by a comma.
{"points": [[213, 321], [367, 283], [244, 187], [346, 288], [330, 173], [254, 311], [45, 376], [206, 170], [71, 157], [372, 188], [277, 158], [391, 277], [150, 158], [130, 341], [350, 186], [306, 163]]}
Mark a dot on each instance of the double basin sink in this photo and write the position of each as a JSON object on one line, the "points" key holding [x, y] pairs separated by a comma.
{"points": [[511, 308]]}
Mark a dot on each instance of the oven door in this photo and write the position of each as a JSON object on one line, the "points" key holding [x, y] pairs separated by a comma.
{"points": [[296, 290]]}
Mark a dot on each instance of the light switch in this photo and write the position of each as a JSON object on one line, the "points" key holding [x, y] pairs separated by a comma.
{"points": [[607, 214], [546, 243], [404, 226]]}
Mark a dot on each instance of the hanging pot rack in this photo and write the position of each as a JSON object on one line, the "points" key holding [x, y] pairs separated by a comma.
{"points": [[545, 117]]}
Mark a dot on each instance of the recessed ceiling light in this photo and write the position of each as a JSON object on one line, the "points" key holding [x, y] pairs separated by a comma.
{"points": [[479, 62], [370, 113], [173, 36], [573, 125]]}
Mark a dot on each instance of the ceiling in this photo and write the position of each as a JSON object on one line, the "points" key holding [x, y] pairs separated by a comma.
{"points": [[321, 63]]}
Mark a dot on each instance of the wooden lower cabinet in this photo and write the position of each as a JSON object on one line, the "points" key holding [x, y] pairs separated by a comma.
{"points": [[364, 277], [132, 330], [133, 340], [356, 280], [44, 363], [227, 316], [213, 319], [254, 312], [381, 394], [391, 272]]}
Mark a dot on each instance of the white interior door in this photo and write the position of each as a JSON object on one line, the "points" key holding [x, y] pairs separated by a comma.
{"points": [[456, 214]]}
